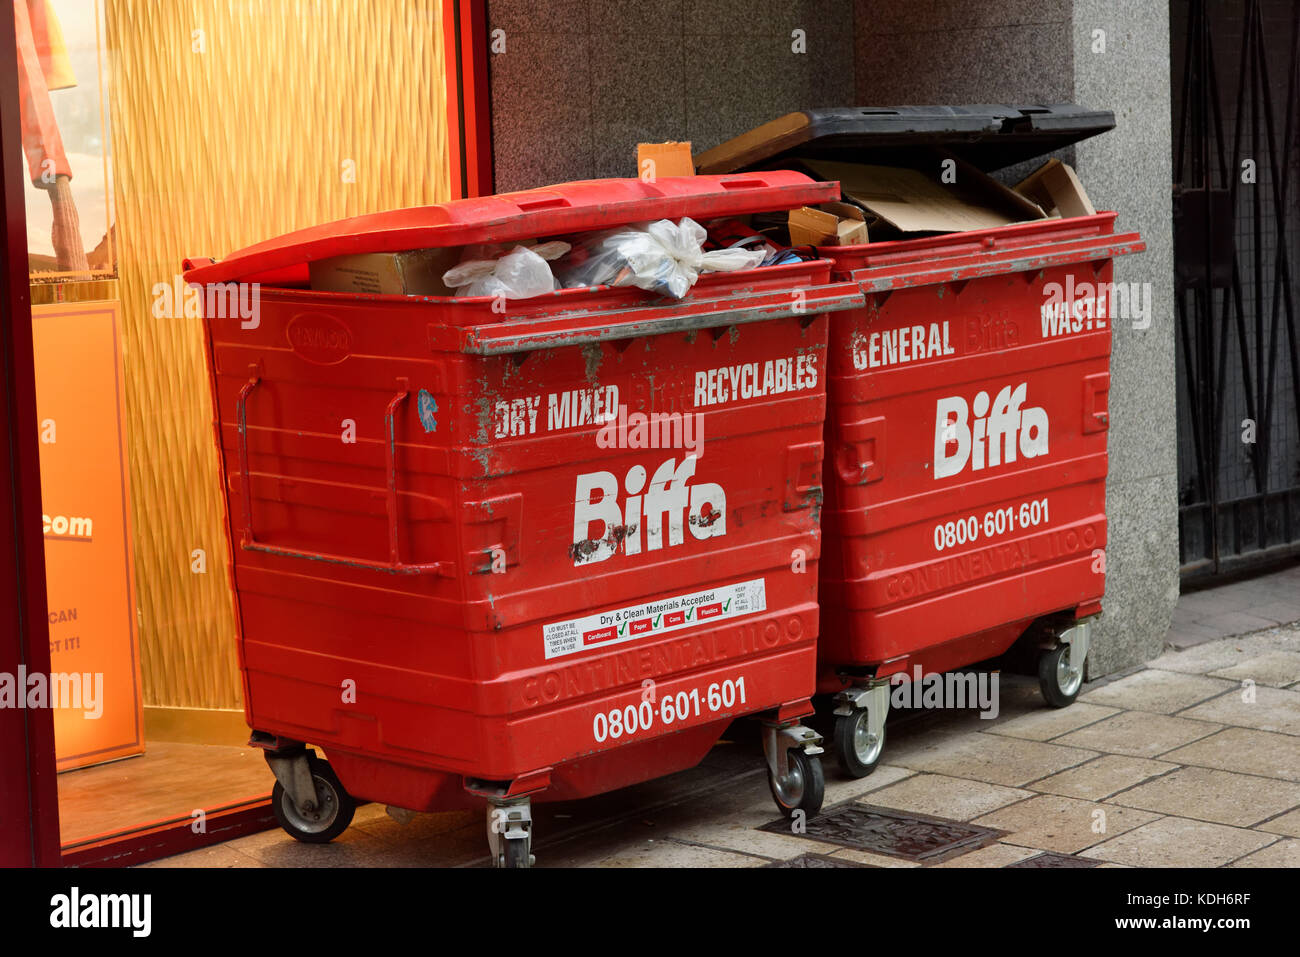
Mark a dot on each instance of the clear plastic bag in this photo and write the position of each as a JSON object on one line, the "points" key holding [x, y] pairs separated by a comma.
{"points": [[663, 257], [519, 274]]}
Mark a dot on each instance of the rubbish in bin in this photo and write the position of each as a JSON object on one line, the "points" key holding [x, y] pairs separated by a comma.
{"points": [[662, 257], [966, 426], [475, 602], [737, 234], [1055, 187], [414, 273], [520, 273], [834, 224], [914, 201], [654, 160]]}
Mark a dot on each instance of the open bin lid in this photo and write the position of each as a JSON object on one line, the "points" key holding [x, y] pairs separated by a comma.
{"points": [[988, 136], [550, 211]]}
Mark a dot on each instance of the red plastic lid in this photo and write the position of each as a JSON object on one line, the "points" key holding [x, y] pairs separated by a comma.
{"points": [[552, 211]]}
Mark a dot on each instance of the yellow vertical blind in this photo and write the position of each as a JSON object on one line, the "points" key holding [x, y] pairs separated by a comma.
{"points": [[233, 122]]}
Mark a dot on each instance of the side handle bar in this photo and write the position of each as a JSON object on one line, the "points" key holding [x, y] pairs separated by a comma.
{"points": [[248, 538]]}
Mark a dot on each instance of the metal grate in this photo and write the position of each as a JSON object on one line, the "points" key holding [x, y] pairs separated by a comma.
{"points": [[913, 837], [1236, 99]]}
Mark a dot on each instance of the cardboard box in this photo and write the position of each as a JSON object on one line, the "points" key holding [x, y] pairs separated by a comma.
{"points": [[415, 273], [670, 159], [914, 201], [831, 224], [1056, 188]]}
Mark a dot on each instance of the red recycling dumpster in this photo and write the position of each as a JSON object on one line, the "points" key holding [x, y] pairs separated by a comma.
{"points": [[966, 434], [967, 416], [465, 567]]}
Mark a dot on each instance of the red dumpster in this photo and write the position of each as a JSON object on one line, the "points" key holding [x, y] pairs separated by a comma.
{"points": [[456, 575], [966, 426], [967, 497]]}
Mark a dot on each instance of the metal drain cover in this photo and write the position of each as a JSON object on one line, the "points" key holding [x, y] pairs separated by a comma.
{"points": [[816, 860], [913, 837], [1053, 859]]}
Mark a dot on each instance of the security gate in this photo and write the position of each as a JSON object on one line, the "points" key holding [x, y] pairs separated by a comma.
{"points": [[1236, 75]]}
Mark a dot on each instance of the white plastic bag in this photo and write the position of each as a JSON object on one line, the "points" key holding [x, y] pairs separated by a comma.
{"points": [[519, 274], [662, 256], [730, 260]]}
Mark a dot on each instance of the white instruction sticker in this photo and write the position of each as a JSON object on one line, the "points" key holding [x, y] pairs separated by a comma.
{"points": [[650, 619]]}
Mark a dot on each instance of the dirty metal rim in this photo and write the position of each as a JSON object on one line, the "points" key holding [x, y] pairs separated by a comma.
{"points": [[866, 746], [789, 789], [1068, 677], [314, 822]]}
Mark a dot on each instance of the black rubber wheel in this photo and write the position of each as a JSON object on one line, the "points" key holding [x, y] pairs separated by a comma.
{"points": [[805, 786], [333, 813], [516, 853], [1058, 680], [858, 754]]}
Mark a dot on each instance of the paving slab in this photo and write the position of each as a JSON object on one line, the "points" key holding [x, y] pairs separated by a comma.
{"points": [[739, 838], [1179, 842], [995, 759], [661, 853], [1283, 612], [995, 855], [1052, 722], [1138, 734], [1282, 854], [1288, 823], [1102, 777], [1276, 669], [866, 857], [1202, 658], [1226, 652], [217, 856], [840, 787], [1189, 635], [1054, 823], [1206, 603], [1265, 753], [1164, 692], [1236, 622], [1206, 794], [957, 799], [1272, 709]]}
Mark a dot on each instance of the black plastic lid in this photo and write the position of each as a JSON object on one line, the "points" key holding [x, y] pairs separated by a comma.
{"points": [[988, 136]]}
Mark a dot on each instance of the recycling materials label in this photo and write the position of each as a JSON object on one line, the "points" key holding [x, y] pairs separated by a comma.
{"points": [[654, 618]]}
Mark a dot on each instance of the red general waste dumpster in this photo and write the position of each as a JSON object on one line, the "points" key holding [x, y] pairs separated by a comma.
{"points": [[966, 420], [456, 575], [966, 427]]}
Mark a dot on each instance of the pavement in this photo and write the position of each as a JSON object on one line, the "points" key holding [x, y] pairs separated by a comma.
{"points": [[1192, 760]]}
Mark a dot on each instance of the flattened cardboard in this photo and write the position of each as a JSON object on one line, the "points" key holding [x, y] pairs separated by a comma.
{"points": [[756, 145], [415, 273], [913, 201], [670, 159], [1056, 188]]}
